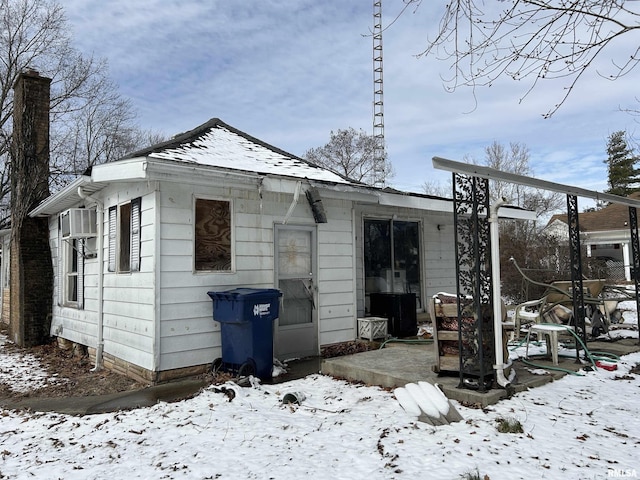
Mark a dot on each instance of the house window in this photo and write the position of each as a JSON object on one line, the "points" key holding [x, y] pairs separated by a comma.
{"points": [[5, 266], [72, 272], [124, 237], [212, 235], [392, 257]]}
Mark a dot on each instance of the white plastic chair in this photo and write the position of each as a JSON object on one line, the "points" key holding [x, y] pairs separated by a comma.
{"points": [[527, 313]]}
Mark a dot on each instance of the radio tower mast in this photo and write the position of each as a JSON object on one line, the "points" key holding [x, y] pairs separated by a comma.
{"points": [[378, 105]]}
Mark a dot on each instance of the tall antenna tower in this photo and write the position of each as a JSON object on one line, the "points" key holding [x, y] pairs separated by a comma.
{"points": [[378, 104]]}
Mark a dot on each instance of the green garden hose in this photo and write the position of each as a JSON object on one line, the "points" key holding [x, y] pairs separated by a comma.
{"points": [[409, 340], [592, 356]]}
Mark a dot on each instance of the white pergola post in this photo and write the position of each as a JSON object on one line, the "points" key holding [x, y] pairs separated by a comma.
{"points": [[626, 260]]}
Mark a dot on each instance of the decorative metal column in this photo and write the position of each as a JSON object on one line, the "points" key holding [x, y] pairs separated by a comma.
{"points": [[474, 282], [576, 270], [635, 249]]}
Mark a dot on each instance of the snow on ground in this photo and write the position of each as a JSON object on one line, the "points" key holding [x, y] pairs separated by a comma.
{"points": [[579, 427], [626, 328], [12, 372]]}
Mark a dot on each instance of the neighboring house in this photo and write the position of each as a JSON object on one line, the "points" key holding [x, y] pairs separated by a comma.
{"points": [[605, 234], [138, 243]]}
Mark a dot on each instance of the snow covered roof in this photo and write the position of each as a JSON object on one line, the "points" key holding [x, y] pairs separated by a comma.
{"points": [[217, 144], [215, 147]]}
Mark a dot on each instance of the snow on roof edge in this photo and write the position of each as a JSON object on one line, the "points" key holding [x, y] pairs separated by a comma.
{"points": [[190, 137]]}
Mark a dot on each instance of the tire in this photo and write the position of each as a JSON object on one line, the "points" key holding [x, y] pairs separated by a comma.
{"points": [[216, 365], [247, 368]]}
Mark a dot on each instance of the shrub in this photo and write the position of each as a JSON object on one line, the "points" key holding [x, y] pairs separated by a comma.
{"points": [[509, 425]]}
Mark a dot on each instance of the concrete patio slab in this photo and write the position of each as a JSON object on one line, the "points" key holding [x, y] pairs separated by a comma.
{"points": [[397, 364]]}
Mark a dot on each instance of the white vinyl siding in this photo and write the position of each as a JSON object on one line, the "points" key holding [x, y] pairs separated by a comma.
{"points": [[77, 320], [160, 317], [336, 292], [188, 333], [129, 300]]}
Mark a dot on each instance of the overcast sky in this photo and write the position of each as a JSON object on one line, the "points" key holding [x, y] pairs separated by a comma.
{"points": [[289, 72]]}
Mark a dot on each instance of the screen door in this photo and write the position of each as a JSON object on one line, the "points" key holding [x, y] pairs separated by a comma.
{"points": [[296, 331]]}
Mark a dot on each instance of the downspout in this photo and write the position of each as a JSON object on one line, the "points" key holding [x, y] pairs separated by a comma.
{"points": [[500, 366], [294, 202], [157, 284], [99, 247]]}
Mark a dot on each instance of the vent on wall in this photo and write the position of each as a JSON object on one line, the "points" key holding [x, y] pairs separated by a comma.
{"points": [[78, 223]]}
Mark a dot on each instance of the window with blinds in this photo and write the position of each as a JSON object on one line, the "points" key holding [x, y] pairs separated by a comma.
{"points": [[124, 237]]}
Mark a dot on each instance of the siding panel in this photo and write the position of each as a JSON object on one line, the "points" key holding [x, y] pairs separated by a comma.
{"points": [[186, 309]]}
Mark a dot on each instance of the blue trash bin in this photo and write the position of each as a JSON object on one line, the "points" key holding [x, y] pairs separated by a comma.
{"points": [[246, 318]]}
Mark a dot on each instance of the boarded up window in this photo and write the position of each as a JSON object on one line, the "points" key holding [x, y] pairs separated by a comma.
{"points": [[213, 235]]}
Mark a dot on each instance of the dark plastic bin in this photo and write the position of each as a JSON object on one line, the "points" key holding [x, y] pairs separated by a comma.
{"points": [[246, 324], [400, 310]]}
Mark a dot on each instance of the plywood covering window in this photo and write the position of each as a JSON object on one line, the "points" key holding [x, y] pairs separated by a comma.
{"points": [[212, 235]]}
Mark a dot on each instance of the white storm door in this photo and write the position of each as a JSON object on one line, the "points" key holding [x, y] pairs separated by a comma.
{"points": [[296, 329]]}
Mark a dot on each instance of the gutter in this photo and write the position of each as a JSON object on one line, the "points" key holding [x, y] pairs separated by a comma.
{"points": [[51, 205]]}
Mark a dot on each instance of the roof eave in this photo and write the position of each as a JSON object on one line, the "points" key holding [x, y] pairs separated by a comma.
{"points": [[61, 200]]}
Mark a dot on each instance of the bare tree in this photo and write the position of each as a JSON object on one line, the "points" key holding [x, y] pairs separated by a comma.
{"points": [[351, 153], [535, 40], [90, 122], [434, 187], [100, 130], [520, 239], [515, 159]]}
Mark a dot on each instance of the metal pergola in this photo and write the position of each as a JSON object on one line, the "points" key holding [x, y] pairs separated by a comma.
{"points": [[473, 255]]}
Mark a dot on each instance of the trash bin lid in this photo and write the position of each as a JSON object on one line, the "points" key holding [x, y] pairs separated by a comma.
{"points": [[244, 292], [247, 292]]}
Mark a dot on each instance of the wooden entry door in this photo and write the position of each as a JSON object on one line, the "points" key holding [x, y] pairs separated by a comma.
{"points": [[296, 331]]}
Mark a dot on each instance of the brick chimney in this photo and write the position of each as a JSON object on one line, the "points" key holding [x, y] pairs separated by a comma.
{"points": [[31, 270]]}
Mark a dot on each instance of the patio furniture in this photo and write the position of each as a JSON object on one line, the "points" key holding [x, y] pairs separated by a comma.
{"points": [[443, 311], [550, 334], [371, 328], [556, 304], [526, 314]]}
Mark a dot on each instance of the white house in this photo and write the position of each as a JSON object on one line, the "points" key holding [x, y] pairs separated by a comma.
{"points": [[138, 243], [606, 235]]}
